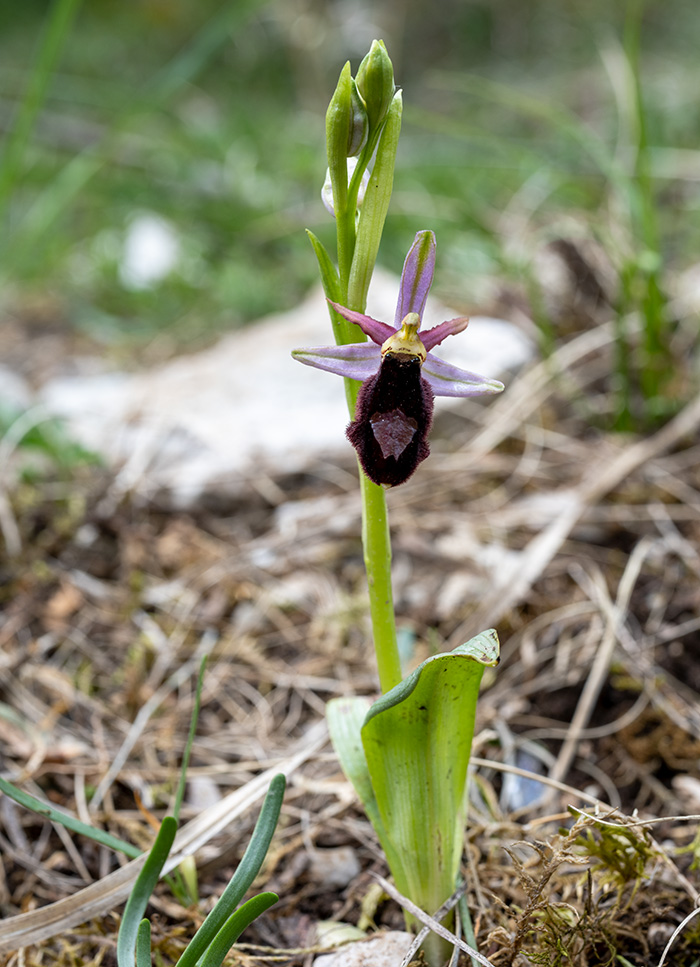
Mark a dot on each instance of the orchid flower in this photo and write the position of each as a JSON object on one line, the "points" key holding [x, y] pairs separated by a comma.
{"points": [[327, 190], [399, 373]]}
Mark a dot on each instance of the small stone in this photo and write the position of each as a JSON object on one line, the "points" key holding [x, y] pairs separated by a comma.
{"points": [[382, 950], [659, 935], [334, 868]]}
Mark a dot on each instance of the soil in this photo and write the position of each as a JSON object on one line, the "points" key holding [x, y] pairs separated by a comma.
{"points": [[577, 544]]}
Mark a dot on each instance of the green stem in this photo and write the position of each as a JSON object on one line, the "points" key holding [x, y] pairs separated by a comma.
{"points": [[376, 542], [376, 545], [357, 253], [345, 229]]}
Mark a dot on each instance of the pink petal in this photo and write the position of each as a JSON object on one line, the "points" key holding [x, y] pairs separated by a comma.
{"points": [[355, 361], [433, 337], [379, 332], [447, 380]]}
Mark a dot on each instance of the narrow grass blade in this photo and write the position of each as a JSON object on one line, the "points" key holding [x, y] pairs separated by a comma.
{"points": [[57, 29], [32, 230], [189, 62], [143, 944], [241, 880], [234, 927], [467, 925], [140, 895], [565, 123], [179, 795], [69, 822]]}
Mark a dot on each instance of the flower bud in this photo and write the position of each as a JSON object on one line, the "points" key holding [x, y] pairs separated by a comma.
{"points": [[327, 190], [360, 124], [340, 119], [375, 83]]}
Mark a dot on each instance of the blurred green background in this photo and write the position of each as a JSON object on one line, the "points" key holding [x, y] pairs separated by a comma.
{"points": [[202, 122]]}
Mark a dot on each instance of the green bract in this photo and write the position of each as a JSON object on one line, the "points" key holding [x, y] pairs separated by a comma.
{"points": [[339, 129], [360, 125]]}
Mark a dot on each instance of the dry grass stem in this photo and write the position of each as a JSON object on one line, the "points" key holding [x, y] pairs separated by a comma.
{"points": [[579, 545]]}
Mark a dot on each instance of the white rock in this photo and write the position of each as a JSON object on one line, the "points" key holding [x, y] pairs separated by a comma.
{"points": [[14, 391], [244, 407], [384, 950], [334, 868]]}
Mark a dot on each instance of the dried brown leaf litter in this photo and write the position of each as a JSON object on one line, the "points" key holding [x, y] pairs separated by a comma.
{"points": [[580, 546]]}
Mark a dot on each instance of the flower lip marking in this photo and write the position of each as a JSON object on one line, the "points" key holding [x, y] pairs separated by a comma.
{"points": [[393, 431]]}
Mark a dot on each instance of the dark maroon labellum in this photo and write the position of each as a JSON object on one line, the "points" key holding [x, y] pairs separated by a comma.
{"points": [[393, 416]]}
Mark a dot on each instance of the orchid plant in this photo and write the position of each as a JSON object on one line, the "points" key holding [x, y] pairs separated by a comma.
{"points": [[407, 754]]}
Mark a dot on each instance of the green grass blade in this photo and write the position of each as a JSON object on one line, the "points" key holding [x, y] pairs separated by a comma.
{"points": [[143, 944], [241, 880], [57, 29], [563, 122], [32, 231], [140, 895], [234, 927], [69, 822], [467, 926], [216, 32], [179, 795]]}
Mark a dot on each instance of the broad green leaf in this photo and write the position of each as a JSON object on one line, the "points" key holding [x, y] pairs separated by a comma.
{"points": [[408, 763], [345, 717], [194, 718], [417, 742]]}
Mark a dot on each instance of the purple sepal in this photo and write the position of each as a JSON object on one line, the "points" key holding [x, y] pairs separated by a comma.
{"points": [[356, 361], [433, 337], [448, 380], [379, 332], [416, 277]]}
